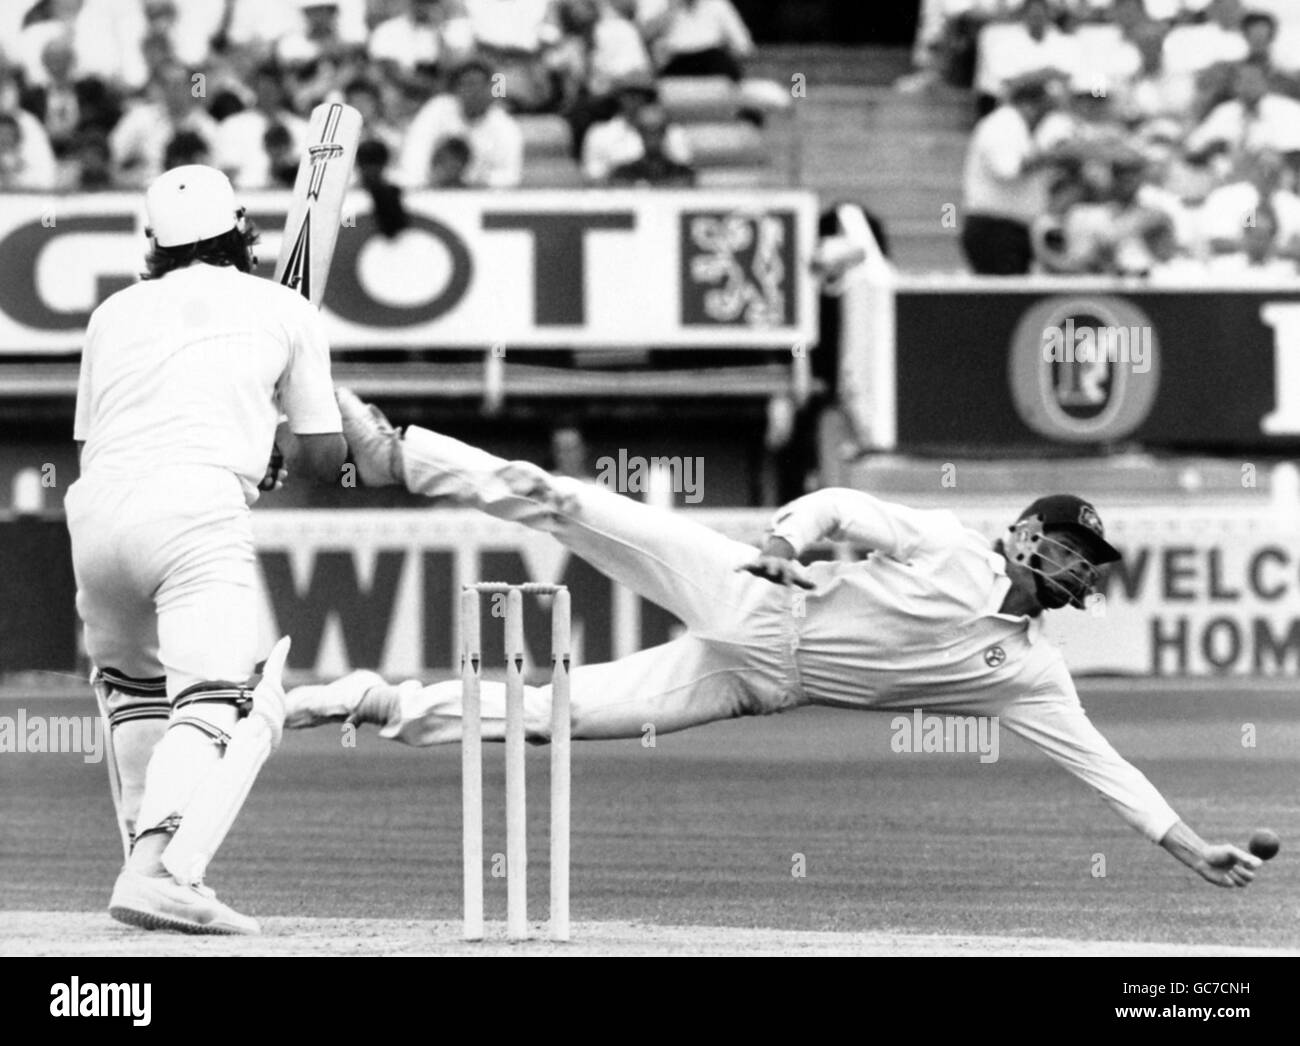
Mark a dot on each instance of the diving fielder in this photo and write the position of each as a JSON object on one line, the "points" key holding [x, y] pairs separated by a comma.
{"points": [[935, 618], [183, 378]]}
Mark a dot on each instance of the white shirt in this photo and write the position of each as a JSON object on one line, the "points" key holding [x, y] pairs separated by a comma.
{"points": [[1005, 49], [705, 25], [1101, 58], [194, 369], [496, 144], [1191, 48], [1275, 125], [993, 183], [615, 142], [1154, 97], [617, 52], [238, 148], [509, 23], [1226, 211], [407, 44], [918, 621]]}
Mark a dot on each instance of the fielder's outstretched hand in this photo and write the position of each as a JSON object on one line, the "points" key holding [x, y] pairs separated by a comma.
{"points": [[1225, 865], [1219, 863]]}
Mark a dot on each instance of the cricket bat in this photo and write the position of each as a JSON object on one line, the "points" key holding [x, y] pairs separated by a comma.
{"points": [[311, 228]]}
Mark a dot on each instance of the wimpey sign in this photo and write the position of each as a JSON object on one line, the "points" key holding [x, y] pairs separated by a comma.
{"points": [[474, 269]]}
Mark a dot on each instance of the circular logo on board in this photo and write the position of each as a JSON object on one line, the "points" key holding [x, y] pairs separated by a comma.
{"points": [[994, 656], [1084, 368]]}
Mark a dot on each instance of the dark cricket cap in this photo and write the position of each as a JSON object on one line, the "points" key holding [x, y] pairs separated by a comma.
{"points": [[1065, 511]]}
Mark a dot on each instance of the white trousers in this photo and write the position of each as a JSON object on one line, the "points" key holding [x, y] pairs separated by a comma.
{"points": [[735, 659], [166, 575]]}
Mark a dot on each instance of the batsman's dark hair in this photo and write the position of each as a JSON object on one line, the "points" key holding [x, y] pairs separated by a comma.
{"points": [[230, 248]]}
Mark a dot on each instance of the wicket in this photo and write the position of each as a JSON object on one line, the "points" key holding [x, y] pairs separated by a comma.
{"points": [[472, 760]]}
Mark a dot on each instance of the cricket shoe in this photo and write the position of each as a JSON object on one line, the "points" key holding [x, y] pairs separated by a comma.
{"points": [[332, 703], [159, 902], [374, 446]]}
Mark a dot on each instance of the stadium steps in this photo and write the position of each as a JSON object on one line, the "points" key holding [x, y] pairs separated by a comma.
{"points": [[900, 155], [827, 64]]}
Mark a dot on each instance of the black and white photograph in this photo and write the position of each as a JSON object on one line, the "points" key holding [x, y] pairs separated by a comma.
{"points": [[651, 478]]}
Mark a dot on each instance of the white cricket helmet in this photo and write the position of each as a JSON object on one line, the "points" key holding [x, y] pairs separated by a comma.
{"points": [[190, 203]]}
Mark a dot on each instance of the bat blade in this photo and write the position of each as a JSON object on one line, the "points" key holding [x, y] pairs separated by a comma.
{"points": [[311, 228]]}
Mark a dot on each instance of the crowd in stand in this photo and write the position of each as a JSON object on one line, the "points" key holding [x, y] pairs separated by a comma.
{"points": [[1156, 138], [99, 94]]}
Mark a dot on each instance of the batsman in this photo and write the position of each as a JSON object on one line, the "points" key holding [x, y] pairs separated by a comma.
{"points": [[936, 618], [183, 379]]}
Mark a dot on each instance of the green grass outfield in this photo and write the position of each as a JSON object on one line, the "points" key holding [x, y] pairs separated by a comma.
{"points": [[690, 846]]}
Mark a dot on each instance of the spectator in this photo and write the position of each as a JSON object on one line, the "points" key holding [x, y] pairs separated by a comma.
{"points": [[1231, 212], [852, 245], [281, 152], [425, 35], [604, 47], [473, 113], [513, 37], [239, 146], [140, 138], [570, 455], [101, 38], [1106, 53], [617, 50], [1258, 259], [368, 99], [30, 160], [185, 148], [255, 27], [616, 142], [1255, 119], [320, 35], [318, 57], [699, 38], [450, 163], [387, 210], [1195, 47], [1007, 49], [90, 165], [21, 167], [1005, 184], [65, 104], [1118, 234], [1155, 93], [1261, 30], [654, 167]]}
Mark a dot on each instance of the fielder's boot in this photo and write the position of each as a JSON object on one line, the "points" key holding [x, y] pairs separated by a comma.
{"points": [[374, 446], [159, 902]]}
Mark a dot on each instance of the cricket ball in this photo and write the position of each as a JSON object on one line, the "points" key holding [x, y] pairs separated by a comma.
{"points": [[1264, 843]]}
